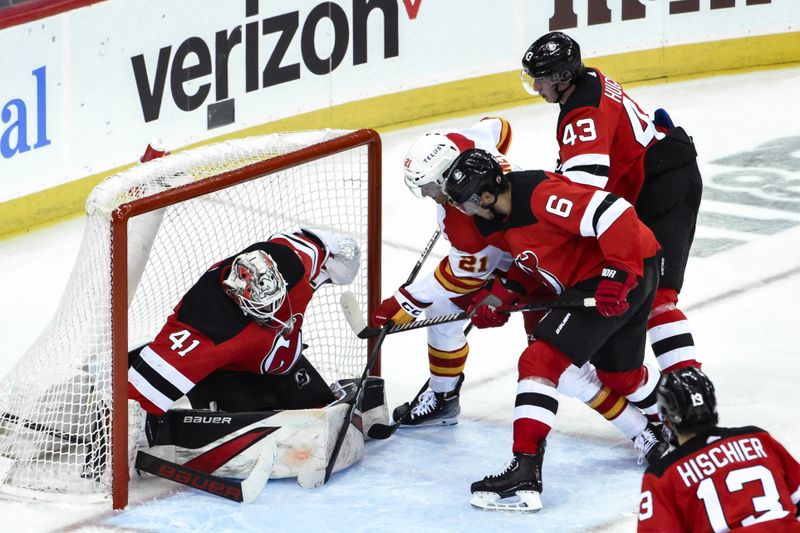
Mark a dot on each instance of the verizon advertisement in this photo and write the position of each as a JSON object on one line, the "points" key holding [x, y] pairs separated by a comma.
{"points": [[85, 91]]}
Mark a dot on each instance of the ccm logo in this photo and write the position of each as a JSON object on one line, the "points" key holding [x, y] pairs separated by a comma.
{"points": [[410, 309], [206, 420]]}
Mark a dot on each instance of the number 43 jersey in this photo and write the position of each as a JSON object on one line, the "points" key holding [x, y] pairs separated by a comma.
{"points": [[602, 137], [720, 480]]}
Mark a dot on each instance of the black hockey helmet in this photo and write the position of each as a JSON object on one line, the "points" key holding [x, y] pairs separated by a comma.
{"points": [[686, 398], [472, 173], [554, 55]]}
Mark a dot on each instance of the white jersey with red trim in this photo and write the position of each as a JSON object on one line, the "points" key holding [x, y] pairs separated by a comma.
{"points": [[472, 258]]}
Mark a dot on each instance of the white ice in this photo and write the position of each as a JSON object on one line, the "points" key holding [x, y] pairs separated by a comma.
{"points": [[741, 294]]}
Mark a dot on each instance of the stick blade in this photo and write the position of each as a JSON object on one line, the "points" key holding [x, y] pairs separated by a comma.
{"points": [[382, 431], [255, 482], [352, 313]]}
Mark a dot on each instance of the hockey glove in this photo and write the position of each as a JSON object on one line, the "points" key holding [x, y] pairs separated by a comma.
{"points": [[611, 295], [483, 309], [401, 308], [662, 121]]}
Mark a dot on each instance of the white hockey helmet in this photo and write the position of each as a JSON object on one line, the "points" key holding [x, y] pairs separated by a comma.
{"points": [[256, 284], [427, 160]]}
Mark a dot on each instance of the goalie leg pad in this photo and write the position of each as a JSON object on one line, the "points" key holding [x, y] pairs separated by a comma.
{"points": [[229, 444]]}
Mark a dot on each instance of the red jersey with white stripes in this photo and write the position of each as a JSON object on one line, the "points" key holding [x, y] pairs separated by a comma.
{"points": [[603, 135], [208, 331], [720, 480], [563, 233], [472, 258]]}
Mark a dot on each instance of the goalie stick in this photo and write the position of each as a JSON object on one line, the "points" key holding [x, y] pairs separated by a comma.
{"points": [[352, 312], [315, 478], [243, 491]]}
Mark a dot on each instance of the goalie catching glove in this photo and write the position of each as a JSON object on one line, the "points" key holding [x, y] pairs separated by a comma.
{"points": [[484, 306], [401, 308], [611, 295]]}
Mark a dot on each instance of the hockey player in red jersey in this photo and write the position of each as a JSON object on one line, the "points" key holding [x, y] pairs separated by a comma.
{"points": [[235, 338], [473, 260], [574, 241], [717, 479], [606, 141]]}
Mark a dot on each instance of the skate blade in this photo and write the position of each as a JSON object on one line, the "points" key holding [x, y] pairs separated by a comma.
{"points": [[432, 423], [525, 501]]}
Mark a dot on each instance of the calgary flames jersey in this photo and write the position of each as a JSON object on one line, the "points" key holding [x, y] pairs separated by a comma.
{"points": [[602, 137], [563, 233], [208, 331], [472, 258], [721, 480]]}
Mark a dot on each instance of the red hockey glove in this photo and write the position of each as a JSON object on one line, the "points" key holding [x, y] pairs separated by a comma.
{"points": [[611, 295], [401, 308], [483, 308]]}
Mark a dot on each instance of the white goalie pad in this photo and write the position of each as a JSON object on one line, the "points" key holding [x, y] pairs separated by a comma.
{"points": [[302, 439]]}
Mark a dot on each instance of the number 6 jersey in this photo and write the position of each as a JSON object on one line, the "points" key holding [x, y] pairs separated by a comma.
{"points": [[720, 480]]}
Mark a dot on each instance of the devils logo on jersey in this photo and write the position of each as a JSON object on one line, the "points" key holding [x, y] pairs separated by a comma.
{"points": [[528, 262], [285, 350]]}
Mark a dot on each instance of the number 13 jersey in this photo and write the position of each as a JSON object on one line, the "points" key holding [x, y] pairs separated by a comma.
{"points": [[720, 480]]}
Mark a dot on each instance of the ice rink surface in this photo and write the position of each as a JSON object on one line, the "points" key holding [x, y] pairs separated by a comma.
{"points": [[741, 295]]}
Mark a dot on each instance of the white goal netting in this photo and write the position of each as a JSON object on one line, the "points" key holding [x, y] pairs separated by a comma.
{"points": [[55, 405]]}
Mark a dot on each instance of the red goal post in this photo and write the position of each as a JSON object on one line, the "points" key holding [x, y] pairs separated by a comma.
{"points": [[158, 227]]}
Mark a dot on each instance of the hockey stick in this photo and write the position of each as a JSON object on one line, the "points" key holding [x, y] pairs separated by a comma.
{"points": [[35, 426], [243, 491], [425, 253], [384, 431], [352, 312], [316, 478]]}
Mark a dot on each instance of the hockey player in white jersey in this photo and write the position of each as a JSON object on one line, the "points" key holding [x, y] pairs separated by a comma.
{"points": [[461, 278]]}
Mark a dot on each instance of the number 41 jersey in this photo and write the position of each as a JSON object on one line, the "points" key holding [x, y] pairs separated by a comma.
{"points": [[720, 480]]}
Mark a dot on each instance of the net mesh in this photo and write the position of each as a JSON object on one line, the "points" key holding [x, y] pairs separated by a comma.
{"points": [[55, 405]]}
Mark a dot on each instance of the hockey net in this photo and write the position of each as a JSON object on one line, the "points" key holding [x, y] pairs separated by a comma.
{"points": [[150, 232]]}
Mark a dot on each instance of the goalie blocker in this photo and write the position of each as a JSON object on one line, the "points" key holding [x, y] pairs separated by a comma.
{"points": [[211, 450]]}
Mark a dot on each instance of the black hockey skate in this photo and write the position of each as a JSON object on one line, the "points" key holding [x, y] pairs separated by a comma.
{"points": [[518, 487], [651, 443], [431, 408]]}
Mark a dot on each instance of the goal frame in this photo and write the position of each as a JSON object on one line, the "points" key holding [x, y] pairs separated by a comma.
{"points": [[119, 264]]}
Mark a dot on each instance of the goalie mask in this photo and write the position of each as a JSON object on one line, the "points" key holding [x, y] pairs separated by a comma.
{"points": [[256, 284], [426, 162]]}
